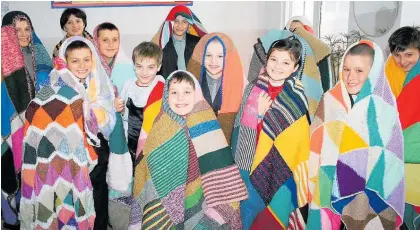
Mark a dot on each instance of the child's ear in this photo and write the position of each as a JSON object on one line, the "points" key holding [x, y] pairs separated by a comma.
{"points": [[296, 67]]}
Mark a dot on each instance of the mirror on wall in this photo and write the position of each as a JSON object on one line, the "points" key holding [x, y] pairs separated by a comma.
{"points": [[375, 18]]}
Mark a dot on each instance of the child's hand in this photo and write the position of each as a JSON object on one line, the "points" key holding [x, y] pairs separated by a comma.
{"points": [[119, 104], [264, 103]]}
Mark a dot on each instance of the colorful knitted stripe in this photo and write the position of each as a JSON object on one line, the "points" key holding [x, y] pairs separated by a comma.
{"points": [[405, 88], [356, 166], [56, 188], [183, 180], [231, 89], [275, 169], [165, 31], [151, 111]]}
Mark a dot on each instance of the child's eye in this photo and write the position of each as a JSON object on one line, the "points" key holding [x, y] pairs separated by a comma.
{"points": [[273, 59], [359, 71], [286, 63], [173, 93], [208, 55], [220, 56], [74, 61], [187, 92], [409, 55]]}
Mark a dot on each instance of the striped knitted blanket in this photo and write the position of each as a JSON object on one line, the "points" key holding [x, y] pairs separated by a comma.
{"points": [[405, 88], [315, 67], [165, 31], [17, 89], [356, 167], [57, 48], [184, 181], [275, 169], [229, 96]]}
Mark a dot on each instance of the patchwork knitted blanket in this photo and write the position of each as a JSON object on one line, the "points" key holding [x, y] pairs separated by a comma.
{"points": [[275, 169], [356, 165], [405, 88], [315, 50], [183, 181], [229, 96]]}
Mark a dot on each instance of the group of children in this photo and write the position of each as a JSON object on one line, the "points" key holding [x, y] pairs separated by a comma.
{"points": [[172, 139]]}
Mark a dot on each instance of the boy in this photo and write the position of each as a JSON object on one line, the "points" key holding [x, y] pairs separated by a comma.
{"points": [[119, 68], [178, 36], [403, 73], [67, 129], [271, 141], [192, 182], [356, 168], [140, 98]]}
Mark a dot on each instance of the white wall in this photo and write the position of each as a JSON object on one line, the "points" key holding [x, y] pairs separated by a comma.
{"points": [[410, 13], [244, 22]]}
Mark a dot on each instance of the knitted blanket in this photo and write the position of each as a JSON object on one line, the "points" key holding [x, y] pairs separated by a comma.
{"points": [[164, 33], [356, 167], [183, 181], [17, 89], [405, 88], [315, 49], [306, 24], [122, 67], [230, 91]]}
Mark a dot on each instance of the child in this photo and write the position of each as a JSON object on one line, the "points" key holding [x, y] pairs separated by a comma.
{"points": [[119, 68], [356, 165], [218, 67], [403, 73], [140, 98], [270, 141], [66, 150], [187, 173], [177, 36]]}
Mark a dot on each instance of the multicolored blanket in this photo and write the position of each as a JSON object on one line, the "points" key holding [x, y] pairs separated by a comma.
{"points": [[229, 96], [405, 87], [356, 167], [165, 31], [316, 51], [183, 181], [122, 67], [17, 90], [305, 22], [275, 169]]}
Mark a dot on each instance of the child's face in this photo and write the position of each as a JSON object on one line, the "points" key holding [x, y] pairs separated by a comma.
{"points": [[146, 69], [356, 70], [280, 65], [407, 59], [24, 32], [74, 26], [108, 43], [180, 25], [79, 62], [213, 60], [181, 97]]}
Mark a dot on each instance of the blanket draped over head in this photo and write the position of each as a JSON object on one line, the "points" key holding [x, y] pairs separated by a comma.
{"points": [[356, 166], [183, 180], [17, 90], [229, 96]]}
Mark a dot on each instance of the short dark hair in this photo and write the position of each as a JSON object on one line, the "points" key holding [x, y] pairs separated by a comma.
{"points": [[290, 44], [362, 49], [78, 13], [181, 76], [404, 38], [106, 26], [148, 50], [75, 46]]}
